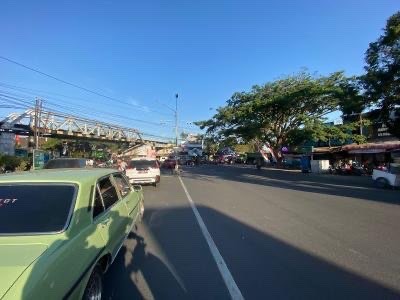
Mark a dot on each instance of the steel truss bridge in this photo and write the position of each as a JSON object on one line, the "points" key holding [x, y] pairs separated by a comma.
{"points": [[56, 124]]}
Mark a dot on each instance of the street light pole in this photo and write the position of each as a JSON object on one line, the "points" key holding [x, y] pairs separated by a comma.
{"points": [[176, 120]]}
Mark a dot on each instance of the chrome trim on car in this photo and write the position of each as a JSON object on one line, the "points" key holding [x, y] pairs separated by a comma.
{"points": [[101, 197]]}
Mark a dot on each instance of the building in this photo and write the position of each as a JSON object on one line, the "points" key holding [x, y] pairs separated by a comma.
{"points": [[381, 146], [193, 145]]}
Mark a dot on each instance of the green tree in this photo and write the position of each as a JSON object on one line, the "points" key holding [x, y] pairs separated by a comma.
{"points": [[184, 135], [352, 101], [382, 78], [210, 145], [319, 131], [279, 112], [51, 144]]}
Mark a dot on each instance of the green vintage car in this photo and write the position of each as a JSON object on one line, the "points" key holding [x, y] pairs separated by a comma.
{"points": [[61, 229]]}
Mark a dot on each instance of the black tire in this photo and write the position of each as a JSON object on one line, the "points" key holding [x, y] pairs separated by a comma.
{"points": [[94, 287], [381, 183], [154, 184]]}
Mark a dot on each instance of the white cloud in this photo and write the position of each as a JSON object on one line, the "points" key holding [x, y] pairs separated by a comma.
{"points": [[137, 104]]}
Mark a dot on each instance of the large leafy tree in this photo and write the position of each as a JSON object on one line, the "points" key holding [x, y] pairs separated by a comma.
{"points": [[382, 78], [282, 112]]}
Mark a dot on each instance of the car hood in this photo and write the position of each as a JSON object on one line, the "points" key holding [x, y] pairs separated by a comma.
{"points": [[14, 259]]}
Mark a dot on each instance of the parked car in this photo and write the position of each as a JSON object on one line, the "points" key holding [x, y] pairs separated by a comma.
{"points": [[226, 159], [169, 163], [143, 171], [241, 159], [61, 229], [387, 178], [59, 163]]}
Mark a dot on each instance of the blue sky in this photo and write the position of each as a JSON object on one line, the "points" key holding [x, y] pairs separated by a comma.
{"points": [[143, 52]]}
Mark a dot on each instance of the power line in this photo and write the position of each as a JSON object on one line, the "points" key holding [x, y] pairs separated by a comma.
{"points": [[70, 83], [89, 114], [73, 109], [26, 104]]}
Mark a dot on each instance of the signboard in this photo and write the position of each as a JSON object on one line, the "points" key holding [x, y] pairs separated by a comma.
{"points": [[307, 149], [21, 152], [39, 159], [380, 130]]}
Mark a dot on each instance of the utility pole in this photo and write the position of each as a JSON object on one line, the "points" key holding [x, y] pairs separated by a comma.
{"points": [[38, 112], [176, 120], [35, 122], [39, 119]]}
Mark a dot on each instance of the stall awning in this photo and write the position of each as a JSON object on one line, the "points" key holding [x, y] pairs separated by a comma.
{"points": [[366, 151], [371, 147]]}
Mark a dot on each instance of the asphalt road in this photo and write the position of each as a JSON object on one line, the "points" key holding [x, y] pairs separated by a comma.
{"points": [[282, 235]]}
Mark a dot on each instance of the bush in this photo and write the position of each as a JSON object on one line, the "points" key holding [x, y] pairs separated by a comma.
{"points": [[14, 163], [23, 166]]}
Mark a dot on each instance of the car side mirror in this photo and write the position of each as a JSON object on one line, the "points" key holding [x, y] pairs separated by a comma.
{"points": [[137, 188]]}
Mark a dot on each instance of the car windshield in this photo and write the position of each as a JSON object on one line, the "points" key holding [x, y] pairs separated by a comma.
{"points": [[65, 163], [35, 208], [395, 169], [143, 164]]}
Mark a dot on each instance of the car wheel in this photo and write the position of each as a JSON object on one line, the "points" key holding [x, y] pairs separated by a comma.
{"points": [[381, 183], [94, 287]]}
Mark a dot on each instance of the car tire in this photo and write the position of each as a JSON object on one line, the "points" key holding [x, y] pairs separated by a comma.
{"points": [[94, 287], [155, 184], [381, 183]]}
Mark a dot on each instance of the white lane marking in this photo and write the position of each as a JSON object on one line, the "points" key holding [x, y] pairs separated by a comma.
{"points": [[222, 267]]}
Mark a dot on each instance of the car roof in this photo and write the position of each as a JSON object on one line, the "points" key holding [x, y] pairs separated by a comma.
{"points": [[69, 158], [57, 175], [142, 158]]}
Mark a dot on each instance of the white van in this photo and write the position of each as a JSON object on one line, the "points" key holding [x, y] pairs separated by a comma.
{"points": [[143, 171]]}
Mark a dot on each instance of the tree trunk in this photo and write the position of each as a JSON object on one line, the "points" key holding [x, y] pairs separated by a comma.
{"points": [[277, 154]]}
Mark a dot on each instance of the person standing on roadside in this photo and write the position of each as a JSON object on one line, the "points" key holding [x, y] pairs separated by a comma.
{"points": [[176, 170], [122, 165]]}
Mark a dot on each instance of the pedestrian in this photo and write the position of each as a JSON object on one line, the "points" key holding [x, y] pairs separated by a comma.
{"points": [[122, 165], [176, 170]]}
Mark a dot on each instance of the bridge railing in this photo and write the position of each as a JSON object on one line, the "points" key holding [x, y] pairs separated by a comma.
{"points": [[56, 123]]}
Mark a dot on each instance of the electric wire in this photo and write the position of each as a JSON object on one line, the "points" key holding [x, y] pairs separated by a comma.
{"points": [[67, 82]]}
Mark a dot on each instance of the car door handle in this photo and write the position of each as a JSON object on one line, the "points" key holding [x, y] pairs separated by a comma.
{"points": [[106, 222]]}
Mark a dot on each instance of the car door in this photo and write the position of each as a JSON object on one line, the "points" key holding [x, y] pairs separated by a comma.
{"points": [[59, 260], [112, 222], [129, 197]]}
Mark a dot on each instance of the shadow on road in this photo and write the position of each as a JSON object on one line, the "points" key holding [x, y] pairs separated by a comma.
{"points": [[262, 265], [346, 186], [132, 261]]}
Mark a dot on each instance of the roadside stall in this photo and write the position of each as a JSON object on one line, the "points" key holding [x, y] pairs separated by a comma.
{"points": [[372, 154]]}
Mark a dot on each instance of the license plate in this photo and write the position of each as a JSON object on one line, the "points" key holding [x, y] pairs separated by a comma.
{"points": [[141, 172]]}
